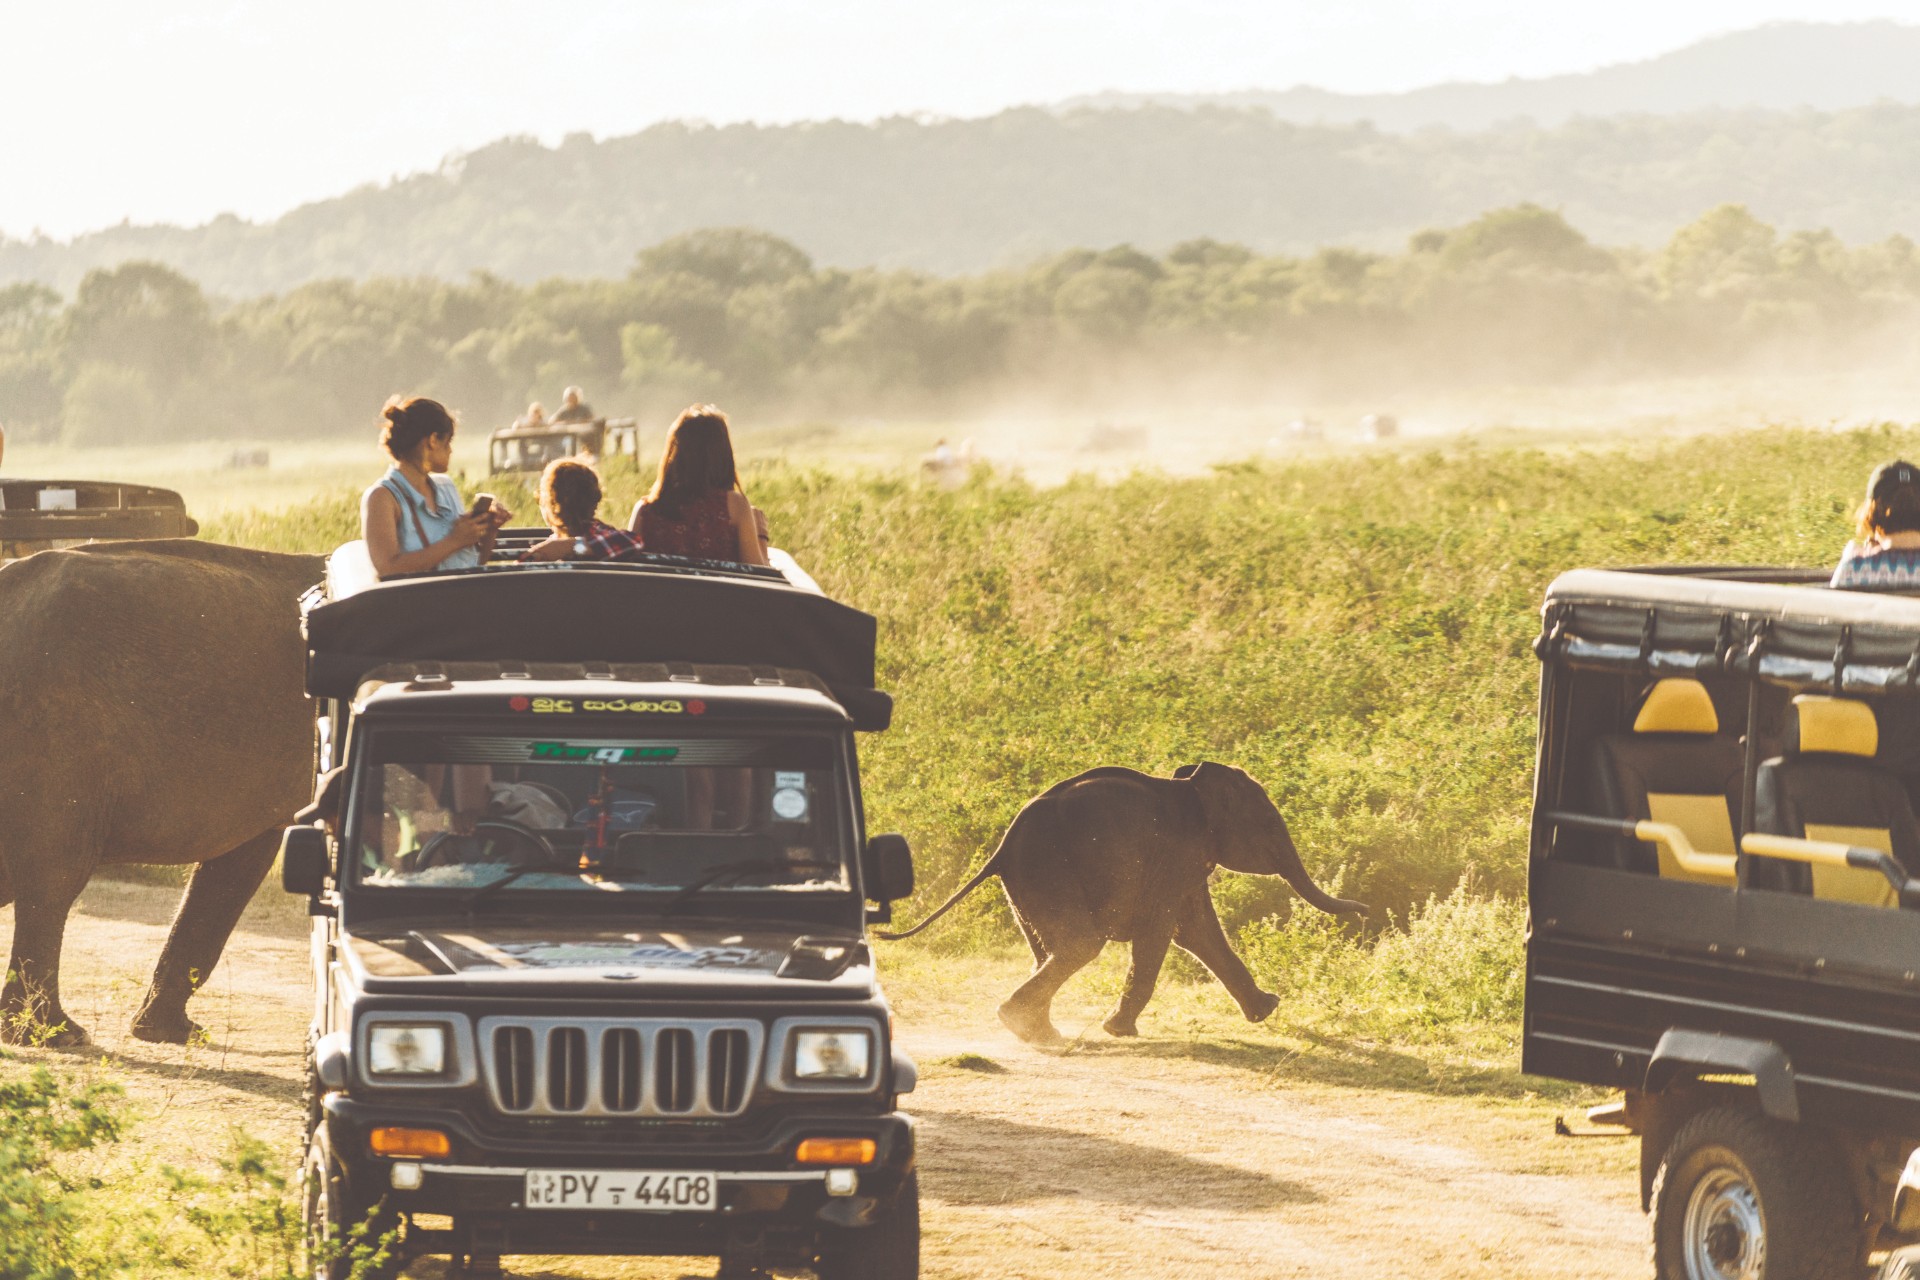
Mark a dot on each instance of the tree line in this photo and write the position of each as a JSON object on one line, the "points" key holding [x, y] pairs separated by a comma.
{"points": [[140, 352]]}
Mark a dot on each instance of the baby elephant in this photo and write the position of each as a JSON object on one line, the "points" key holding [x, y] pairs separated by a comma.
{"points": [[1115, 855]]}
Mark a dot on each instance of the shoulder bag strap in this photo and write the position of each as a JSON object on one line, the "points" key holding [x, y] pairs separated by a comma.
{"points": [[418, 528]]}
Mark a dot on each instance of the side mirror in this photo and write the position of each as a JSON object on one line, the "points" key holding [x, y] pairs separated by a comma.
{"points": [[888, 868], [305, 860]]}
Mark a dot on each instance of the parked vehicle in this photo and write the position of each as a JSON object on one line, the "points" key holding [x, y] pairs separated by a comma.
{"points": [[1376, 427], [531, 448], [589, 921], [36, 515], [1723, 919]]}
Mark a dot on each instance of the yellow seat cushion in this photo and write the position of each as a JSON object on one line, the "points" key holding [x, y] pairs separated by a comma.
{"points": [[1852, 884], [1676, 705], [1708, 827], [1840, 726]]}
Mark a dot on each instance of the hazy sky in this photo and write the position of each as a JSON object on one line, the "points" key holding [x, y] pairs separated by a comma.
{"points": [[177, 110]]}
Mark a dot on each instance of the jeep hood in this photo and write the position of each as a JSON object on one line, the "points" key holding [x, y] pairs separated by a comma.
{"points": [[601, 960]]}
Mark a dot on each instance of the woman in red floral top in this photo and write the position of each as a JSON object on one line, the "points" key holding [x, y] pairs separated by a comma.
{"points": [[696, 507], [570, 501]]}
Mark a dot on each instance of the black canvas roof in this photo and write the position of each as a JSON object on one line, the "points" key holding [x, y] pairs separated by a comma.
{"points": [[46, 510], [1771, 623], [599, 615]]}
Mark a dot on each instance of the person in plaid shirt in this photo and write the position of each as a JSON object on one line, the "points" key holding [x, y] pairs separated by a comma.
{"points": [[570, 501]]}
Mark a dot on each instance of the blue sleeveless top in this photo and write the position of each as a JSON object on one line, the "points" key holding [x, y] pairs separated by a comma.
{"points": [[435, 519]]}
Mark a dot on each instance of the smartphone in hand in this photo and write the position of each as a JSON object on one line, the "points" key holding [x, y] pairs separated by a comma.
{"points": [[482, 503]]}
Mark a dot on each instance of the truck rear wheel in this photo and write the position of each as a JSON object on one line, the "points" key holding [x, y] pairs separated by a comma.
{"points": [[1741, 1197], [887, 1250]]}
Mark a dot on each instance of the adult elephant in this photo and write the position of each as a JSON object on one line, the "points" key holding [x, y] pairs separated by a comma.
{"points": [[1115, 855], [152, 710]]}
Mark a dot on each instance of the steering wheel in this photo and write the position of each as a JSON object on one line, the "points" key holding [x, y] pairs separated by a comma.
{"points": [[517, 833]]}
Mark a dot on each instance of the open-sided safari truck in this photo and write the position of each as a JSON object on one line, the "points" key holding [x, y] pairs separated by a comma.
{"points": [[37, 515], [590, 905], [1723, 919], [531, 448]]}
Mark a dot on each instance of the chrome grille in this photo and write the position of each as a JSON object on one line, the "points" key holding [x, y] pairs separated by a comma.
{"points": [[620, 1066], [512, 1068]]}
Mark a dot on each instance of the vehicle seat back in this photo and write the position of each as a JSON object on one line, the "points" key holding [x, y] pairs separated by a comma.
{"points": [[1674, 767], [1825, 786]]}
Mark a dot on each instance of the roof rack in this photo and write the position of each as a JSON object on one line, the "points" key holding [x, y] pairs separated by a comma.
{"points": [[600, 616], [81, 510]]}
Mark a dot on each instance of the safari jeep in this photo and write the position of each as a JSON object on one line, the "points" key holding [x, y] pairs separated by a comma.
{"points": [[1723, 922], [589, 891], [36, 515]]}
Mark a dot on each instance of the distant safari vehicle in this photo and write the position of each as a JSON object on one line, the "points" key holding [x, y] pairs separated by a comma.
{"points": [[37, 515], [1376, 427], [531, 448], [1723, 919], [1114, 437]]}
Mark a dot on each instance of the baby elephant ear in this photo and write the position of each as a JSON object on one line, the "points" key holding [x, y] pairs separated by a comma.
{"points": [[1186, 771]]}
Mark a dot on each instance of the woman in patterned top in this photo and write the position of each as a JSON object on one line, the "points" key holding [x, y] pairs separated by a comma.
{"points": [[1885, 552], [696, 507], [570, 503]]}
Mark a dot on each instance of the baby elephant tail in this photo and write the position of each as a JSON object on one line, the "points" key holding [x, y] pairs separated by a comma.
{"points": [[980, 877]]}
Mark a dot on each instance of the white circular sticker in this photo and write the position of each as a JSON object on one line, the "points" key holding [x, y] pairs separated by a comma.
{"points": [[790, 804]]}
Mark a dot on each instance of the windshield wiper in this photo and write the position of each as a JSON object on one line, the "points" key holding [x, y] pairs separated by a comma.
{"points": [[735, 870], [526, 869]]}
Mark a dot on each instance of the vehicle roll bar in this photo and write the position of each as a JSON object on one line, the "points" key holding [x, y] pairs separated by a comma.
{"points": [[1721, 867], [1831, 853]]}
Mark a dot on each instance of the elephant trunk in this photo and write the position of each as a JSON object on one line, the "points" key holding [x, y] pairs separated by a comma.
{"points": [[1287, 865]]}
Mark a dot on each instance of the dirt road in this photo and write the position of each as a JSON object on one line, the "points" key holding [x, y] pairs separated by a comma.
{"points": [[1204, 1149]]}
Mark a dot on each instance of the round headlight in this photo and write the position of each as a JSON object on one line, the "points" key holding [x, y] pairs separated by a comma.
{"points": [[407, 1049]]}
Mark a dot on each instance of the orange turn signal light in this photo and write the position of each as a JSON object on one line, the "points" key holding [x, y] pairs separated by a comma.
{"points": [[836, 1151], [395, 1141]]}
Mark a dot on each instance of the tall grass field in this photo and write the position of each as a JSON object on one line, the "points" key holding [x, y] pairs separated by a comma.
{"points": [[1353, 631]]}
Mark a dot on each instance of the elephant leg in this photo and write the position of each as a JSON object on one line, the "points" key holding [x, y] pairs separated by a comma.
{"points": [[216, 895], [30, 1009], [1149, 953], [1028, 1011], [1033, 939], [1199, 934]]}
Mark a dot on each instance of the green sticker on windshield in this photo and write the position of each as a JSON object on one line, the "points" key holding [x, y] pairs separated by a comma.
{"points": [[592, 753]]}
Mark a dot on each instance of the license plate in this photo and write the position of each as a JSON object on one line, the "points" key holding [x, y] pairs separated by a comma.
{"points": [[672, 1191]]}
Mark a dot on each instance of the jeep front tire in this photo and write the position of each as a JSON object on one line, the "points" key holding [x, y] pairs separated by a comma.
{"points": [[887, 1250]]}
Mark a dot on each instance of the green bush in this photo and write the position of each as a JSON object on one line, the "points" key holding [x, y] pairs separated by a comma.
{"points": [[44, 1227], [1458, 963], [72, 1207]]}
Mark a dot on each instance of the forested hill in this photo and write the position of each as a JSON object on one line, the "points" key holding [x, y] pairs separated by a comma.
{"points": [[1778, 67], [964, 195]]}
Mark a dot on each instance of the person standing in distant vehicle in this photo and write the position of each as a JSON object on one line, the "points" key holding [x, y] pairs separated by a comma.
{"points": [[570, 503], [574, 409], [1885, 552], [535, 416], [696, 507], [413, 520]]}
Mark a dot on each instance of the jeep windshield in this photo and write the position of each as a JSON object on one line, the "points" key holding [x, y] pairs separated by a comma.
{"points": [[584, 814]]}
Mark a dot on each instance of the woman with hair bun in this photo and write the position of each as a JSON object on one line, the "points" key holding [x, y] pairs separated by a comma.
{"points": [[413, 520], [570, 504], [1885, 552], [696, 507]]}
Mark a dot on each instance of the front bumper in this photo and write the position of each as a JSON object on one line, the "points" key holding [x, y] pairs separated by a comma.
{"points": [[480, 1182]]}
